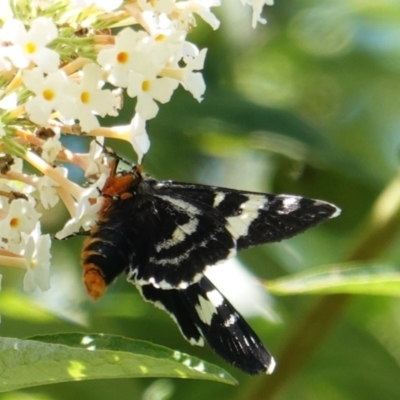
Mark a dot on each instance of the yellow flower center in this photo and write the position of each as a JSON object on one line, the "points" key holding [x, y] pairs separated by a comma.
{"points": [[14, 222], [160, 37], [146, 86], [48, 94], [85, 97], [30, 48], [33, 263], [123, 57]]}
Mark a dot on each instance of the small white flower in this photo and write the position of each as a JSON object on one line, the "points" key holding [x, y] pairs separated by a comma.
{"points": [[45, 186], [119, 59], [21, 218], [136, 134], [87, 211], [200, 7], [193, 81], [147, 89], [95, 159], [51, 148], [258, 6], [37, 259], [88, 98], [139, 137], [162, 46], [31, 46], [49, 91]]}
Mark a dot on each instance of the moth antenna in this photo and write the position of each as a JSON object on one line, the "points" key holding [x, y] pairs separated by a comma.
{"points": [[107, 151], [139, 169]]}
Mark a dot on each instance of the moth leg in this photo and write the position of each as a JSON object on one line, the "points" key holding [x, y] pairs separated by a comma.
{"points": [[81, 232], [107, 151]]}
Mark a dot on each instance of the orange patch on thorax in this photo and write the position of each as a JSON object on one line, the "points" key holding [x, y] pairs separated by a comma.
{"points": [[116, 185]]}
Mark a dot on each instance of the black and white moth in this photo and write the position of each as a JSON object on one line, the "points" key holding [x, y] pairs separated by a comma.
{"points": [[165, 234]]}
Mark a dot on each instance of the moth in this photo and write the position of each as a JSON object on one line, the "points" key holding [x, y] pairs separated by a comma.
{"points": [[164, 235]]}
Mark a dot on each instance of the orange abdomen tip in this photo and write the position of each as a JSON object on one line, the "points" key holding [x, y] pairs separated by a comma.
{"points": [[94, 281]]}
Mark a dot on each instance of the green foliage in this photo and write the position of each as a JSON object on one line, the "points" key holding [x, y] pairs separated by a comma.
{"points": [[354, 278], [46, 359]]}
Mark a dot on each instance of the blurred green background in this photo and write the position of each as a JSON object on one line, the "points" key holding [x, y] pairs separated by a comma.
{"points": [[308, 104]]}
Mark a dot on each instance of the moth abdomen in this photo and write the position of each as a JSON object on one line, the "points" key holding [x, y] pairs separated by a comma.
{"points": [[105, 255]]}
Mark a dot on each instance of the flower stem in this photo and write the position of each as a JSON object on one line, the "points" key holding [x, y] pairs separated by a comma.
{"points": [[33, 159], [15, 262]]}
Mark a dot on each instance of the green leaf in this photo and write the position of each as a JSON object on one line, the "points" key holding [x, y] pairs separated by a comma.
{"points": [[354, 278], [68, 357]]}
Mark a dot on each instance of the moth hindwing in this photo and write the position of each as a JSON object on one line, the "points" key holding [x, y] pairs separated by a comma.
{"points": [[165, 234]]}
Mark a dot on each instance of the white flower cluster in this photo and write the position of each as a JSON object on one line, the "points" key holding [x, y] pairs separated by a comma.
{"points": [[55, 59]]}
